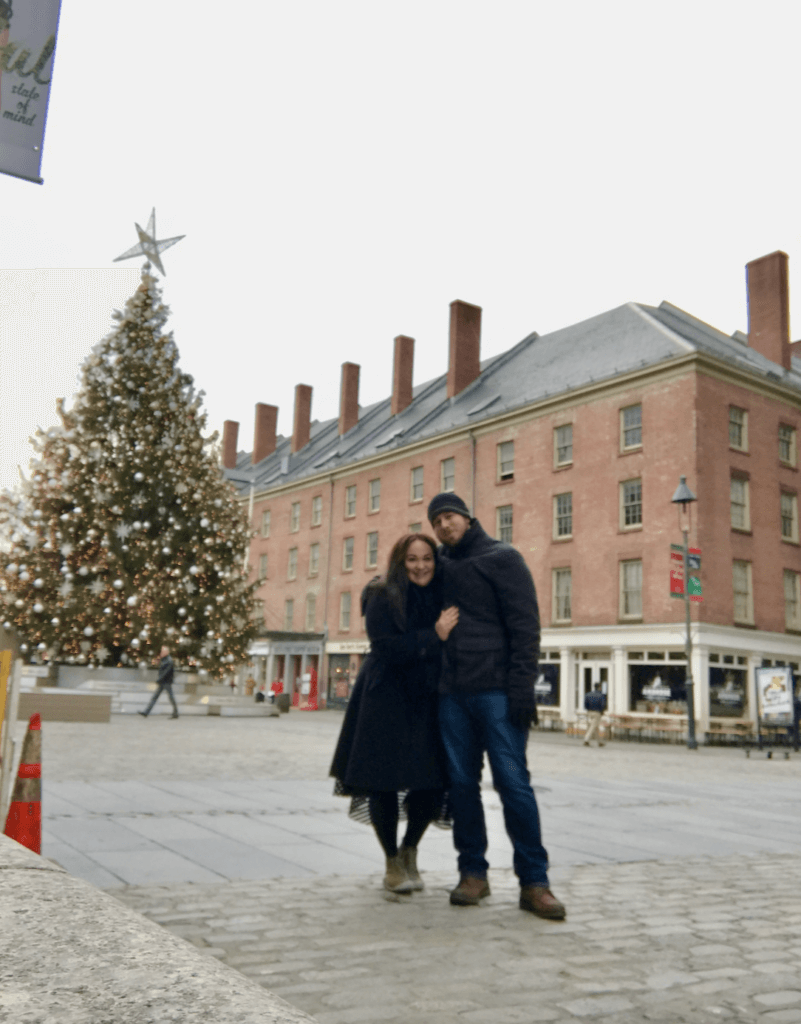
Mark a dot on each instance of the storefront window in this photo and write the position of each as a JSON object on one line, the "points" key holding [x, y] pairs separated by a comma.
{"points": [[338, 678], [728, 692], [546, 688], [658, 688]]}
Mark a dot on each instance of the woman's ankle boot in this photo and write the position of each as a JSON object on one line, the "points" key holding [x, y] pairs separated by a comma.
{"points": [[396, 879], [408, 856]]}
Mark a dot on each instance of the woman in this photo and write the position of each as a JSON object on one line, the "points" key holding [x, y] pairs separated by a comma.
{"points": [[389, 755]]}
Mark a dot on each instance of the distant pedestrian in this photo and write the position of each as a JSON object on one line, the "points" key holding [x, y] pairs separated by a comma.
{"points": [[389, 757], [594, 705], [164, 682], [487, 702], [260, 693]]}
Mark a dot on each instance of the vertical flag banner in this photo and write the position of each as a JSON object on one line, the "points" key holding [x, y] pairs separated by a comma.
{"points": [[27, 43]]}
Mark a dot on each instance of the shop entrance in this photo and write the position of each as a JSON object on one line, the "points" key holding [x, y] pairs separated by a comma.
{"points": [[589, 671]]}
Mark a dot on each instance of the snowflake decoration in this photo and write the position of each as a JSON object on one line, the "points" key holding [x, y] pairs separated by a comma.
{"points": [[123, 531], [65, 589], [66, 550], [97, 587]]}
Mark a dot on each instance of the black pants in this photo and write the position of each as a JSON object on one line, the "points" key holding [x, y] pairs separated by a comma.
{"points": [[157, 694], [422, 806]]}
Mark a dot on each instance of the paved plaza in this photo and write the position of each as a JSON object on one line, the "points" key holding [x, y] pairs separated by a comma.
{"points": [[679, 869]]}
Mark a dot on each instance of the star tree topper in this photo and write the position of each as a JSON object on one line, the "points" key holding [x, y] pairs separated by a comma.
{"points": [[148, 246]]}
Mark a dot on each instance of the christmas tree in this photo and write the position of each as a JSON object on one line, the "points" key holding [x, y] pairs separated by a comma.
{"points": [[127, 536]]}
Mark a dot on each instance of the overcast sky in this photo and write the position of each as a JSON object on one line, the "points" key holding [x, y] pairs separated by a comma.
{"points": [[343, 171]]}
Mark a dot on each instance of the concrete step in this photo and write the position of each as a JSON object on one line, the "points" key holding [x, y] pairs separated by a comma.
{"points": [[162, 708], [253, 711]]}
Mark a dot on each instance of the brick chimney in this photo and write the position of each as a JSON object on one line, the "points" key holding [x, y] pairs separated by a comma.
{"points": [[465, 346], [349, 397], [301, 430], [230, 435], [402, 374], [264, 432], [769, 307]]}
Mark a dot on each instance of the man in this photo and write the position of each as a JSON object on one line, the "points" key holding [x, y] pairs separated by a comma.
{"points": [[487, 701], [594, 705], [164, 681]]}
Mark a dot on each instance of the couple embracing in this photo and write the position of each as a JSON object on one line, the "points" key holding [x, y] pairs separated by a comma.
{"points": [[454, 643]]}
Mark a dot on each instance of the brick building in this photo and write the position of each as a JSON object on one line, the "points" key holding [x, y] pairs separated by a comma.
{"points": [[570, 446]]}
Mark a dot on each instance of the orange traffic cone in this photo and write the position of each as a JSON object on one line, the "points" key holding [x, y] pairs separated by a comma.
{"points": [[24, 822]]}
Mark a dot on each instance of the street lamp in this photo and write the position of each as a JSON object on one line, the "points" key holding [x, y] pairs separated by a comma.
{"points": [[684, 496]]}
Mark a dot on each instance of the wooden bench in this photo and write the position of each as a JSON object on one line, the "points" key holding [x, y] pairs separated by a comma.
{"points": [[724, 728], [664, 725]]}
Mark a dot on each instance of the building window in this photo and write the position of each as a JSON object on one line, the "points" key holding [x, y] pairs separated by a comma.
{"points": [[506, 460], [630, 504], [787, 450], [350, 501], [372, 550], [738, 428], [503, 523], [416, 492], [447, 474], [314, 559], [344, 610], [265, 523], [415, 527], [743, 597], [631, 589], [631, 427], [317, 510], [740, 504], [789, 511], [294, 517], [563, 515], [347, 553], [263, 565], [292, 567], [562, 595], [289, 614], [311, 612], [792, 600], [257, 612], [563, 445], [375, 496]]}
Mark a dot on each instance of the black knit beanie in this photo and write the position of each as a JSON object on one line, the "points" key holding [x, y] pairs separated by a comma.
{"points": [[446, 502]]}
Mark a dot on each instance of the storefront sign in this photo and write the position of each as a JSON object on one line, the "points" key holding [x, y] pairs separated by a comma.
{"points": [[656, 690], [775, 695], [348, 647], [27, 43]]}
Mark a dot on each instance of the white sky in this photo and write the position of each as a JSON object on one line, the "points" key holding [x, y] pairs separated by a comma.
{"points": [[343, 171]]}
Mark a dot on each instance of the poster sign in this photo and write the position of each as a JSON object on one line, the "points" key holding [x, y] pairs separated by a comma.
{"points": [[27, 43], [677, 572], [775, 695]]}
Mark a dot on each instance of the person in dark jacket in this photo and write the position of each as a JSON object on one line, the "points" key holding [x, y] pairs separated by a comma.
{"points": [[487, 701], [164, 682], [594, 705], [389, 756]]}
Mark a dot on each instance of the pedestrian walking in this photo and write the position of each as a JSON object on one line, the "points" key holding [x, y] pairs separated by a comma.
{"points": [[594, 705], [389, 757], [164, 682], [487, 701]]}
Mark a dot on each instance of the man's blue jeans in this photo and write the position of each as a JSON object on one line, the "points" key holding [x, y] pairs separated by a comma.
{"points": [[471, 724]]}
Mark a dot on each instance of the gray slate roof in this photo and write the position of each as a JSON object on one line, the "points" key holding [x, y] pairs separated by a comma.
{"points": [[605, 346]]}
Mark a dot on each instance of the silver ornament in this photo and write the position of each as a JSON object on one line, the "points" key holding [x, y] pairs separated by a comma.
{"points": [[139, 477], [38, 583], [55, 621], [88, 631], [117, 584], [132, 601]]}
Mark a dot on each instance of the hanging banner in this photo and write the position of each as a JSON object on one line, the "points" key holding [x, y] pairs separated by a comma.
{"points": [[775, 695], [677, 572], [27, 43]]}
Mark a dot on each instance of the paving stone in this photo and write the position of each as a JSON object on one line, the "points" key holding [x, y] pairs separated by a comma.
{"points": [[781, 998], [597, 1007]]}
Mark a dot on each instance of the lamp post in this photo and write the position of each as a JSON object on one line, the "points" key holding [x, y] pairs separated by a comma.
{"points": [[684, 496]]}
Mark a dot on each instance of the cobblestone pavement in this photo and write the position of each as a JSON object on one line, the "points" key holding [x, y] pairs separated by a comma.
{"points": [[674, 941]]}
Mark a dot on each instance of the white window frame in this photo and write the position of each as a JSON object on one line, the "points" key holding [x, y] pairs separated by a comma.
{"points": [[416, 483], [557, 461], [626, 427], [559, 599], [504, 523], [560, 517], [790, 440], [294, 517], [447, 474], [292, 564], [792, 581], [347, 553], [741, 425], [506, 460], [314, 559], [350, 501], [289, 614], [266, 518], [371, 550], [317, 510], [374, 496], [264, 566], [740, 508], [637, 524], [745, 612], [257, 611], [792, 499], [311, 612], [415, 527], [345, 603], [625, 611]]}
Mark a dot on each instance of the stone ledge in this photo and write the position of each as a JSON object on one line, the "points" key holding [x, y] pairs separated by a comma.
{"points": [[72, 953]]}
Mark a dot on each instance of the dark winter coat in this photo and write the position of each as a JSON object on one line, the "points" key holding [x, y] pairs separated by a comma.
{"points": [[496, 643], [390, 737], [594, 700], [166, 671]]}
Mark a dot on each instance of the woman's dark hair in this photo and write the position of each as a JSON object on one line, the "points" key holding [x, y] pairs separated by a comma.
{"points": [[396, 583]]}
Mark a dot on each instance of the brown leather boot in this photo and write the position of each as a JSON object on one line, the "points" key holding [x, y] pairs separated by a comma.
{"points": [[408, 856], [469, 891], [396, 879], [539, 900]]}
